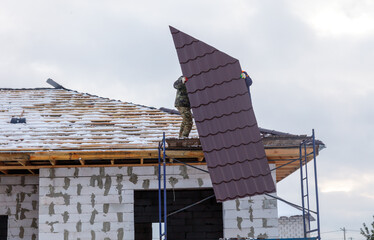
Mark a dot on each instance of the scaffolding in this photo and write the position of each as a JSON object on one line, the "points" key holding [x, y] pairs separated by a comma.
{"points": [[305, 188]]}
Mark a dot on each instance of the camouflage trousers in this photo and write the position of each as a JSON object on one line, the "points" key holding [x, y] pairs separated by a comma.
{"points": [[186, 125]]}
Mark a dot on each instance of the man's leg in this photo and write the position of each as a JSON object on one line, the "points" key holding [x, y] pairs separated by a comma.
{"points": [[186, 125], [180, 109], [188, 122]]}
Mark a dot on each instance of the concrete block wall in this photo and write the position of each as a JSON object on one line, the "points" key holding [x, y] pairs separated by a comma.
{"points": [[251, 217], [98, 203], [19, 200], [85, 203], [291, 227]]}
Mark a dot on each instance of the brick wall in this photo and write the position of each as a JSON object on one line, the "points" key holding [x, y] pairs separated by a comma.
{"points": [[19, 201]]}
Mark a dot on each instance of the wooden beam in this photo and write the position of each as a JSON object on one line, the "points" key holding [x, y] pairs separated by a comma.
{"points": [[284, 153], [3, 168], [23, 163], [12, 156], [277, 156], [278, 153]]}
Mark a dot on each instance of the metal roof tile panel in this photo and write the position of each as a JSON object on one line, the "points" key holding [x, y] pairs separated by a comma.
{"points": [[235, 104], [238, 171], [229, 139], [201, 65], [233, 155], [218, 93], [224, 119], [238, 189], [194, 51], [226, 123], [214, 78], [183, 39]]}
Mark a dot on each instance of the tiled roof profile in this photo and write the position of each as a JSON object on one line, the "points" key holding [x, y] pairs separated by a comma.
{"points": [[225, 120], [61, 119]]}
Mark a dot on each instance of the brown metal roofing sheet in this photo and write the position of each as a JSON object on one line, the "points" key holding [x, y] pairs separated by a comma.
{"points": [[225, 120]]}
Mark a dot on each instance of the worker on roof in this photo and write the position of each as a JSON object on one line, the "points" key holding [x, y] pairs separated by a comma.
{"points": [[182, 103]]}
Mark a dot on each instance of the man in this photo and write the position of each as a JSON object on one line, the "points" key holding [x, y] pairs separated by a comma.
{"points": [[182, 103], [247, 78]]}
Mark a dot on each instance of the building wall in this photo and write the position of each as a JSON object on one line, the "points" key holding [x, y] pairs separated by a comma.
{"points": [[85, 203], [98, 203], [291, 227], [19, 200]]}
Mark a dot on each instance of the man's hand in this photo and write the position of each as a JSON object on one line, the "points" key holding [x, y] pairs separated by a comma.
{"points": [[247, 78]]}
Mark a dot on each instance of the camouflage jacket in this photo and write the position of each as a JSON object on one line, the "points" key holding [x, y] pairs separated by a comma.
{"points": [[181, 99]]}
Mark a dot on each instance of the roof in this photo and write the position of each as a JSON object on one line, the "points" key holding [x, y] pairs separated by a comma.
{"points": [[65, 128], [264, 132], [64, 119], [225, 120]]}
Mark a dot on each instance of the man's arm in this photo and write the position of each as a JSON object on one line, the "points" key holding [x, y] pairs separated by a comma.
{"points": [[247, 78]]}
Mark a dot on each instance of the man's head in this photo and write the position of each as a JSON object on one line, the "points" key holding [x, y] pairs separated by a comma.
{"points": [[184, 79]]}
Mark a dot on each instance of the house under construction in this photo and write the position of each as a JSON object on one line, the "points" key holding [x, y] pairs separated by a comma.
{"points": [[78, 166]]}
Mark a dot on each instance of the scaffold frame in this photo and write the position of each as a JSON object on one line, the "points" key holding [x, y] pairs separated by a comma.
{"points": [[304, 188]]}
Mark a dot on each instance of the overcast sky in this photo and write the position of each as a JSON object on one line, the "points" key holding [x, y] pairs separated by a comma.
{"points": [[311, 63]]}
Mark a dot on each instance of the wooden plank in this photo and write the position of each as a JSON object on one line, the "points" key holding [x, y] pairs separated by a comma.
{"points": [[273, 155], [23, 163], [3, 168], [284, 153], [13, 155], [108, 155]]}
